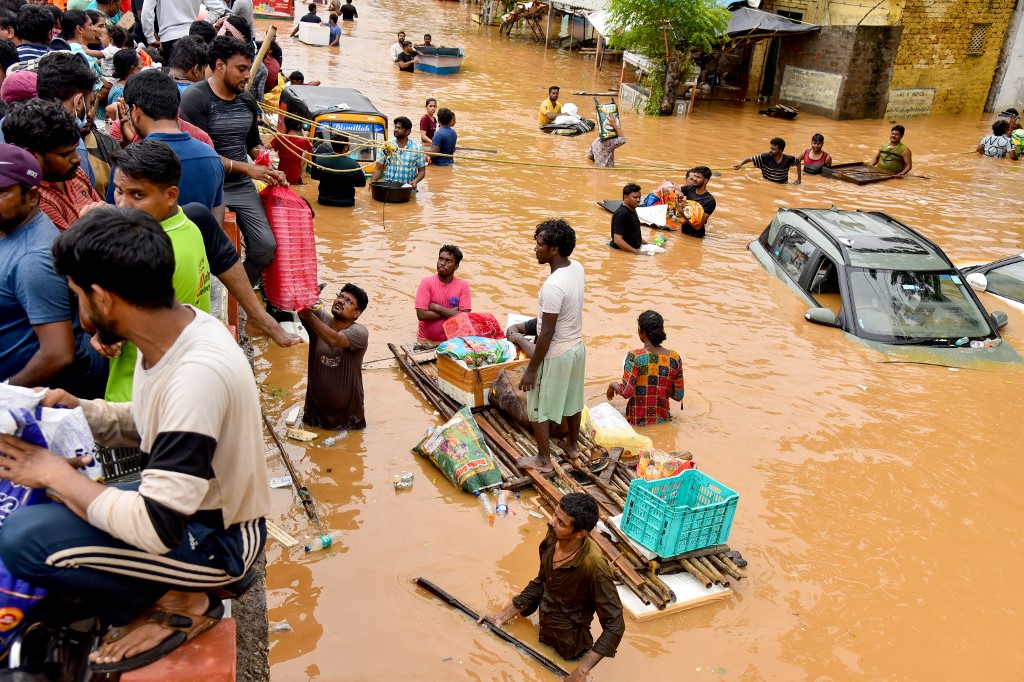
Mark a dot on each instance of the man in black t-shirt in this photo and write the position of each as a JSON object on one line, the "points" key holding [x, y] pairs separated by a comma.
{"points": [[348, 11], [695, 189], [626, 233], [407, 59], [223, 107], [774, 164]]}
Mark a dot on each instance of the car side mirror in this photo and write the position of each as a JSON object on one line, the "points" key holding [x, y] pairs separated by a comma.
{"points": [[999, 318], [823, 316], [978, 281]]}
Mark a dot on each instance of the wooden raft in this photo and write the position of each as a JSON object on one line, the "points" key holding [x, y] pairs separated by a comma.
{"points": [[717, 565]]}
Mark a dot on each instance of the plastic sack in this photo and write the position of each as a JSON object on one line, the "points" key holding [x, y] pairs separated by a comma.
{"points": [[473, 324], [64, 432], [511, 402], [1017, 137], [605, 113], [290, 281], [457, 448], [476, 351], [692, 212], [609, 429], [655, 464], [263, 158], [651, 199]]}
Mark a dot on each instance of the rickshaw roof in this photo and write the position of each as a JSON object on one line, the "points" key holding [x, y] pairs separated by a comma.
{"points": [[315, 100]]}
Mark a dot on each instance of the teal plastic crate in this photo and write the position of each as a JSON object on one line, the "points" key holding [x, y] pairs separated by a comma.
{"points": [[674, 515]]}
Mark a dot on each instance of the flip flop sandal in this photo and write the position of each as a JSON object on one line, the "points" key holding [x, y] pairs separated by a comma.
{"points": [[596, 466], [184, 628]]}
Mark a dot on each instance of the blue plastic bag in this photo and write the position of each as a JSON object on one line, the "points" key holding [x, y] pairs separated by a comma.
{"points": [[17, 597]]}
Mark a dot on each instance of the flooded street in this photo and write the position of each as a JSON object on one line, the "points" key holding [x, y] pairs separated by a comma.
{"points": [[879, 502]]}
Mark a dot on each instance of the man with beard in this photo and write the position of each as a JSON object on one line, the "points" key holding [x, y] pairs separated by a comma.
{"points": [[42, 342], [696, 189], [152, 559], [441, 296], [50, 133], [146, 177], [337, 343], [409, 163], [223, 107]]}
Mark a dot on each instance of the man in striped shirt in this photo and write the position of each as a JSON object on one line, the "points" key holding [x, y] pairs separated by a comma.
{"points": [[33, 29], [149, 558], [774, 164]]}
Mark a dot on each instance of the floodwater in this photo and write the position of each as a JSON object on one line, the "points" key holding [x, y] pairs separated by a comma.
{"points": [[879, 502]]}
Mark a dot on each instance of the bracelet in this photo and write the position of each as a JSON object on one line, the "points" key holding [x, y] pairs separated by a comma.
{"points": [[231, 165]]}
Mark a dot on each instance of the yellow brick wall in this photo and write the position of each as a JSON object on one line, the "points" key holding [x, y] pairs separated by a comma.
{"points": [[933, 51]]}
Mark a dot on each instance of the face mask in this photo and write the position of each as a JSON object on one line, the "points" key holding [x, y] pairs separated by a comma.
{"points": [[82, 119]]}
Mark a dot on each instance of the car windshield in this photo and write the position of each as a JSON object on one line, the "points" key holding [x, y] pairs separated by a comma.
{"points": [[915, 307], [1007, 281]]}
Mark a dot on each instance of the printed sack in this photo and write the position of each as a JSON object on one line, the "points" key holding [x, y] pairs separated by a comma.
{"points": [[458, 449]]}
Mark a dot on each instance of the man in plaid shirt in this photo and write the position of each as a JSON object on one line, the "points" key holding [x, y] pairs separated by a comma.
{"points": [[408, 165]]}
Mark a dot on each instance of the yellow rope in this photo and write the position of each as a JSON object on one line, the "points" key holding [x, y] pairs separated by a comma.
{"points": [[462, 157]]}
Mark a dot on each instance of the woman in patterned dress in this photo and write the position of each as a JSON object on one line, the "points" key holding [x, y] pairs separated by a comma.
{"points": [[651, 375]]}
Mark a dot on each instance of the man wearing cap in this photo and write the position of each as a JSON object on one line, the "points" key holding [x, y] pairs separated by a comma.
{"points": [[50, 133], [42, 342]]}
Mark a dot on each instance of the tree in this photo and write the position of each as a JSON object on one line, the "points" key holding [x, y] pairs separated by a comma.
{"points": [[666, 32]]}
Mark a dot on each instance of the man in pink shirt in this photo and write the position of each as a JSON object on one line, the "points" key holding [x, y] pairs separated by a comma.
{"points": [[441, 296]]}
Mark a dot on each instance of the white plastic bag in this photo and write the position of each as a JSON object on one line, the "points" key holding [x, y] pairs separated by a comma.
{"points": [[609, 429]]}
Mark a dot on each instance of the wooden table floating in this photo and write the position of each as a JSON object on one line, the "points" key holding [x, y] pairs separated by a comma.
{"points": [[857, 173]]}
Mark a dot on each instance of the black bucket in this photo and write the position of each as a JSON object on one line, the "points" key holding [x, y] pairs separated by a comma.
{"points": [[390, 191]]}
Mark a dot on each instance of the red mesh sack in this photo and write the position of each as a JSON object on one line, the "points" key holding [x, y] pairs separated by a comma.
{"points": [[289, 282], [473, 324]]}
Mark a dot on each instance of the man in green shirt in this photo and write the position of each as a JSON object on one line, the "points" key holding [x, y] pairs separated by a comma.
{"points": [[894, 156], [146, 178]]}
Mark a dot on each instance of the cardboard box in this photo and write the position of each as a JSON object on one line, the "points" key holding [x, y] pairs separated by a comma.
{"points": [[470, 386]]}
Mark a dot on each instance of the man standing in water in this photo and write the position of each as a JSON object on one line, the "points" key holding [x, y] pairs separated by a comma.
{"points": [[408, 165], [573, 584], [337, 344], [894, 156], [549, 108], [696, 189], [773, 163], [554, 379], [626, 231], [441, 296]]}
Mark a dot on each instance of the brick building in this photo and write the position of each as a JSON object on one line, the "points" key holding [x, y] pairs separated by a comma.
{"points": [[896, 58]]}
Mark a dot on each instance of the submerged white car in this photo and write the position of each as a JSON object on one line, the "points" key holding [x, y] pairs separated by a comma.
{"points": [[881, 282]]}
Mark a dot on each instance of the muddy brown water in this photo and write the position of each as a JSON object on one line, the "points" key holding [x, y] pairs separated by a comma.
{"points": [[879, 502]]}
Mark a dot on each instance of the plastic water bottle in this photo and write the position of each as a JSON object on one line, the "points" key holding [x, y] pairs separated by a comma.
{"points": [[502, 508], [485, 502], [324, 541], [331, 440]]}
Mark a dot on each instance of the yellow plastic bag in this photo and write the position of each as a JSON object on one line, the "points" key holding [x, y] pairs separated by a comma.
{"points": [[609, 429]]}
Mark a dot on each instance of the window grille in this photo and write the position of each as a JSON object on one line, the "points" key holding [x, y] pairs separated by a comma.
{"points": [[976, 43]]}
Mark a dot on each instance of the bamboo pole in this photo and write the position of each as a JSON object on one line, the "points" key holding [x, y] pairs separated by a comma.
{"points": [[723, 568], [271, 34], [696, 570], [700, 577], [712, 571], [733, 569]]}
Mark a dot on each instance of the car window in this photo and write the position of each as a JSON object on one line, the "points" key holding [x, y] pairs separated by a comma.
{"points": [[911, 305], [1007, 281], [824, 286], [792, 252]]}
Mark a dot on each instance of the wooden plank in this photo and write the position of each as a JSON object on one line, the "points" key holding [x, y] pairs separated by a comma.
{"points": [[613, 461]]}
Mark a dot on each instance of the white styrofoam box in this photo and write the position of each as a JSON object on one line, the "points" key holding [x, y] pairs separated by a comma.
{"points": [[314, 34]]}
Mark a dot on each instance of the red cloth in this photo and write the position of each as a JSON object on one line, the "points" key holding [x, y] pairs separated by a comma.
{"points": [[289, 152], [63, 205], [273, 71]]}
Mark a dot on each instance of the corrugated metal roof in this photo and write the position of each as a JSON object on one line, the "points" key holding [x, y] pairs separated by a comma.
{"points": [[585, 6]]}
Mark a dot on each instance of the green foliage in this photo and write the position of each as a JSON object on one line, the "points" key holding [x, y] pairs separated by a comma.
{"points": [[644, 25], [655, 83]]}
